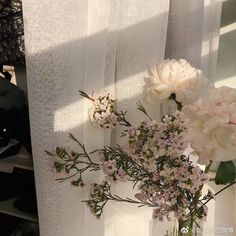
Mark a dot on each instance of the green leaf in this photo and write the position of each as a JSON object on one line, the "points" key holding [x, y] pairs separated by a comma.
{"points": [[58, 166], [226, 173], [61, 152]]}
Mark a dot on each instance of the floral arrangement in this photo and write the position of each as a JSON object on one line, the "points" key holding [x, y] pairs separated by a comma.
{"points": [[153, 155]]}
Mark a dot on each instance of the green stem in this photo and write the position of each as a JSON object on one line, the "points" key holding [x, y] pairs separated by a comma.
{"points": [[208, 167], [220, 191], [193, 207], [116, 198], [121, 118], [179, 104], [142, 109], [85, 95]]}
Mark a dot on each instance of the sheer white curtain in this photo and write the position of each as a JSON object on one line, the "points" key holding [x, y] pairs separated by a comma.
{"points": [[94, 45], [140, 43], [193, 32]]}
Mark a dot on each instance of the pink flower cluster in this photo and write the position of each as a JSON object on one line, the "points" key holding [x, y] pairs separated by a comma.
{"points": [[102, 112], [172, 189], [151, 141], [98, 198], [153, 156], [112, 170]]}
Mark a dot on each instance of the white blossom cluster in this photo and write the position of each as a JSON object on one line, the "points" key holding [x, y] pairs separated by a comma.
{"points": [[102, 113]]}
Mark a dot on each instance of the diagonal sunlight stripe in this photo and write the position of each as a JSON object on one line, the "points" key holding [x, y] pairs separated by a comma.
{"points": [[228, 28], [230, 82], [75, 121]]}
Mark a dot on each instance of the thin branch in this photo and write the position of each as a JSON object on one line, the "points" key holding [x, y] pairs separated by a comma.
{"points": [[82, 146], [208, 167], [217, 193], [143, 110], [197, 224], [66, 178], [128, 200], [121, 118], [85, 95]]}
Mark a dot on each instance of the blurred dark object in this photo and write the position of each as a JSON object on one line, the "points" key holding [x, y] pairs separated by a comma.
{"points": [[11, 185], [8, 224], [26, 229], [11, 149], [14, 131], [25, 134], [20, 183], [12, 48], [8, 125], [10, 95], [14, 120], [6, 74], [27, 201]]}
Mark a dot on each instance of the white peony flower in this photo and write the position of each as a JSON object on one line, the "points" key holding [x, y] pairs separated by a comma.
{"points": [[212, 123], [174, 77]]}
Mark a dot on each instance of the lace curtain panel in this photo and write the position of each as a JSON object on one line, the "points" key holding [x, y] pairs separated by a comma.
{"points": [[99, 45]]}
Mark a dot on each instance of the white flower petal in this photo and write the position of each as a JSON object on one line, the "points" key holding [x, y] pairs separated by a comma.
{"points": [[175, 76], [212, 124]]}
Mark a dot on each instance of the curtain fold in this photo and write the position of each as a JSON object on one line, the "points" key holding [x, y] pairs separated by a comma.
{"points": [[55, 39], [140, 45], [210, 37], [193, 33], [184, 35], [99, 45]]}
